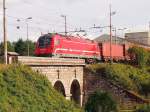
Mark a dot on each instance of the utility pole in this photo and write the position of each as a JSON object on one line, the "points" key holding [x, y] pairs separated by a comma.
{"points": [[149, 26], [115, 35], [110, 21], [4, 31], [65, 25], [28, 44], [65, 17], [111, 61], [28, 39], [115, 31]]}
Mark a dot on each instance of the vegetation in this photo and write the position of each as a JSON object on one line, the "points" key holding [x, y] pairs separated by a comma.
{"points": [[23, 90], [143, 108], [140, 56], [1, 59], [20, 47], [100, 101], [127, 76], [9, 45], [148, 62]]}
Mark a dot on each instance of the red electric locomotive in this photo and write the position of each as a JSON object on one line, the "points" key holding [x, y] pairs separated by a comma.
{"points": [[56, 45]]}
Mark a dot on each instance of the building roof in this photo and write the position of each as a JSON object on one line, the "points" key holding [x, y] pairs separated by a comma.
{"points": [[137, 32], [106, 38], [139, 37], [13, 53]]}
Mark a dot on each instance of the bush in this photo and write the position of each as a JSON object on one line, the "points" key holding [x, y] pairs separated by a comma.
{"points": [[22, 90], [148, 62], [100, 101], [143, 108], [127, 76], [141, 55]]}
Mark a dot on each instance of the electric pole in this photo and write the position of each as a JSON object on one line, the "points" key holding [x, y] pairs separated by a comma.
{"points": [[65, 17], [115, 31], [149, 26], [28, 39], [115, 35], [65, 25], [4, 31], [111, 61], [111, 14], [28, 44]]}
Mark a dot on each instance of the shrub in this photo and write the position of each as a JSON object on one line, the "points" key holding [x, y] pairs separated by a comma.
{"points": [[22, 90], [143, 108], [141, 55], [100, 101], [148, 62], [127, 76]]}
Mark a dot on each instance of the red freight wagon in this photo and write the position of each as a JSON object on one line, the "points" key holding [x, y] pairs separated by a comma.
{"points": [[118, 51], [67, 46]]}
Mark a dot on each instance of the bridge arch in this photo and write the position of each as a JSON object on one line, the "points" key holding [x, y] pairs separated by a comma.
{"points": [[60, 88], [75, 90]]}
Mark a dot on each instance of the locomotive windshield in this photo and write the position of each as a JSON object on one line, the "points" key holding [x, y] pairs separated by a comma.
{"points": [[44, 41]]}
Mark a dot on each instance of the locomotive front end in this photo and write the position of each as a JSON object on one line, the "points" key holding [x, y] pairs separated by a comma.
{"points": [[44, 45]]}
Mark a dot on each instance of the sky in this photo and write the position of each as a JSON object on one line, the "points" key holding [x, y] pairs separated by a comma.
{"points": [[46, 16]]}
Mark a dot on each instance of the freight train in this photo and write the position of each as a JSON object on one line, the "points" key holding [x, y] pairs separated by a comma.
{"points": [[57, 45]]}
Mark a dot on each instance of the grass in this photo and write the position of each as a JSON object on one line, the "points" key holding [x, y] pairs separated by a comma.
{"points": [[22, 90], [129, 77]]}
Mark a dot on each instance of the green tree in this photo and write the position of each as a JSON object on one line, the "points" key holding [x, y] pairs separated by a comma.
{"points": [[100, 101], [10, 47], [21, 47]]}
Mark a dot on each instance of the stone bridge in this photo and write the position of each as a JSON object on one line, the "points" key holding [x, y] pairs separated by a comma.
{"points": [[70, 78], [65, 75]]}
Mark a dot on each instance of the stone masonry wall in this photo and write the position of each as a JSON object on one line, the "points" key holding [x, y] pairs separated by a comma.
{"points": [[65, 74]]}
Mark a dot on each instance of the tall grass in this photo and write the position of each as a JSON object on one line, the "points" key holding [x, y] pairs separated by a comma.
{"points": [[22, 90]]}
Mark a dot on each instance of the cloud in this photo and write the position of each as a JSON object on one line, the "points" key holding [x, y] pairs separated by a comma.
{"points": [[8, 2], [80, 13], [75, 1], [1, 4]]}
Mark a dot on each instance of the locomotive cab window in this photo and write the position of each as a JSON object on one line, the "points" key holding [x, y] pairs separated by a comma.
{"points": [[47, 41], [44, 41], [41, 42]]}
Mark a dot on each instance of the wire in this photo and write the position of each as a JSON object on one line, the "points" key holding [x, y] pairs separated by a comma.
{"points": [[38, 23]]}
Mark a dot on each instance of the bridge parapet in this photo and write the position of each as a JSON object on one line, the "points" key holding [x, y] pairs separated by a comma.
{"points": [[46, 61], [65, 75]]}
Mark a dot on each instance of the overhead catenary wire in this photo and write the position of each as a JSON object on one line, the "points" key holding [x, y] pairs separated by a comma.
{"points": [[22, 26], [38, 20], [42, 20], [38, 23]]}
